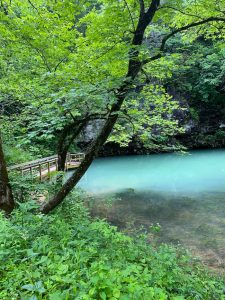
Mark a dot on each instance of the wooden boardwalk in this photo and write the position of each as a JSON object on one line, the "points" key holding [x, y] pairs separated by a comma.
{"points": [[45, 166]]}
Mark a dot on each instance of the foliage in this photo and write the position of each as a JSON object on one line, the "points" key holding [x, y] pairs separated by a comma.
{"points": [[16, 155], [67, 256], [210, 140], [148, 116], [194, 114], [201, 72], [56, 70], [63, 62]]}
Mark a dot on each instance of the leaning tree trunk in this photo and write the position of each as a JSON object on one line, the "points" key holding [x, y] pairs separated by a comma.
{"points": [[89, 157], [6, 198], [133, 69]]}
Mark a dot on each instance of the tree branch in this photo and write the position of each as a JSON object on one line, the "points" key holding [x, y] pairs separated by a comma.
{"points": [[129, 119], [131, 17], [180, 11], [41, 54], [33, 6], [59, 63], [142, 8], [174, 32], [153, 7]]}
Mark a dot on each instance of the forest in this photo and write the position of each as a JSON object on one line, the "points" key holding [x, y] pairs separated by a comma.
{"points": [[112, 161]]}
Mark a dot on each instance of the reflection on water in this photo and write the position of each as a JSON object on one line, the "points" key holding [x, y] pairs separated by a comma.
{"points": [[185, 194]]}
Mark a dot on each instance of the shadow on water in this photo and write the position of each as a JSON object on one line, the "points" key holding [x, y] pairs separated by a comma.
{"points": [[195, 224]]}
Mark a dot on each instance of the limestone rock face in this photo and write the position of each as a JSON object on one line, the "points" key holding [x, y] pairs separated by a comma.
{"points": [[204, 127]]}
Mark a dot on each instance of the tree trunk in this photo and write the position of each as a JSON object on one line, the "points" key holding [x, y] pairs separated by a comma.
{"points": [[62, 160], [133, 69], [6, 197], [68, 135]]}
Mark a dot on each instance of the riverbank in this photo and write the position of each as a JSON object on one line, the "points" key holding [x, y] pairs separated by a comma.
{"points": [[66, 255]]}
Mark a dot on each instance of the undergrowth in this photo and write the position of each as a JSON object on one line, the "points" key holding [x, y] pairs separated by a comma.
{"points": [[66, 255]]}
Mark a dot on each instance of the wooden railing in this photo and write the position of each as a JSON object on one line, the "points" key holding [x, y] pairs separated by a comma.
{"points": [[44, 166], [73, 159]]}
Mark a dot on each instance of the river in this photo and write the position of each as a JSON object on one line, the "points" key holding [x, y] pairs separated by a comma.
{"points": [[184, 193]]}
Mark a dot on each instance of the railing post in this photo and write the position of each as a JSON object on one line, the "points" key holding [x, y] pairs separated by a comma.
{"points": [[67, 161], [49, 169], [40, 172]]}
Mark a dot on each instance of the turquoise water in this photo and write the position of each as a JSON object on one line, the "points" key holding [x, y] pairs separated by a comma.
{"points": [[185, 194], [197, 171]]}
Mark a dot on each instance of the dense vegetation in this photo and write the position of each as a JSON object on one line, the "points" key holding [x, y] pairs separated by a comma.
{"points": [[68, 256], [125, 66], [66, 64]]}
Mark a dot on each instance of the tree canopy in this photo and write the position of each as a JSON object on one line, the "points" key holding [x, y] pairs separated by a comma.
{"points": [[64, 64]]}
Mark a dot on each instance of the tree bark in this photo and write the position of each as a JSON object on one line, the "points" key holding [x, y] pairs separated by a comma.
{"points": [[134, 68], [68, 135], [7, 203]]}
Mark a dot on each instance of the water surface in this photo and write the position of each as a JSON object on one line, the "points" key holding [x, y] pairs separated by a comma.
{"points": [[185, 194]]}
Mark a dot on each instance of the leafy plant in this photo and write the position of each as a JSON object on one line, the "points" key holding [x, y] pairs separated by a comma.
{"points": [[66, 255]]}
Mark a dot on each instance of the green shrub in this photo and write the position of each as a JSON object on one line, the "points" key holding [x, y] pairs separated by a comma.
{"points": [[194, 114], [16, 155], [66, 255], [211, 140]]}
